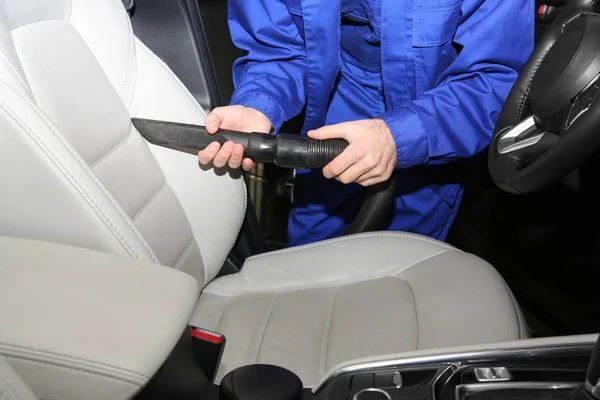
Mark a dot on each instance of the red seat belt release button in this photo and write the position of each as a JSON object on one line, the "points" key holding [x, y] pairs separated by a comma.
{"points": [[208, 350]]}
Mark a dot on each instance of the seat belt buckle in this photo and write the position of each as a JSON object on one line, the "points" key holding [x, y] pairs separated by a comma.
{"points": [[208, 349]]}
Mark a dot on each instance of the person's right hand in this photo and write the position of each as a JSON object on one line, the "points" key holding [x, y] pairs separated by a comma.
{"points": [[237, 118]]}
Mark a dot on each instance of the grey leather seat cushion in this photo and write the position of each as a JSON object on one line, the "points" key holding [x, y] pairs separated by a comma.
{"points": [[11, 385], [313, 307]]}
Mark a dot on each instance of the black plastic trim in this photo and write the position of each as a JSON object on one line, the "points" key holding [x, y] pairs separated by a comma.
{"points": [[180, 377], [129, 5], [174, 31]]}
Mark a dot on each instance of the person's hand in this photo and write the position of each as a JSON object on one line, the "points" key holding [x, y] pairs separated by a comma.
{"points": [[370, 157], [237, 118]]}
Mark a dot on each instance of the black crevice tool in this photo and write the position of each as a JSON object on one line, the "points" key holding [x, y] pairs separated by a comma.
{"points": [[284, 150]]}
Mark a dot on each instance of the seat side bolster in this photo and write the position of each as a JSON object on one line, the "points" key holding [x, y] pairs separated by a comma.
{"points": [[455, 295], [214, 201]]}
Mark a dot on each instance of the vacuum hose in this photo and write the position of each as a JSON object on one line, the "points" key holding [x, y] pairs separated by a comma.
{"points": [[284, 150]]}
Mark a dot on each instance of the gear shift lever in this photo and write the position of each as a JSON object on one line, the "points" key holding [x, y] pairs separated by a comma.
{"points": [[592, 382]]}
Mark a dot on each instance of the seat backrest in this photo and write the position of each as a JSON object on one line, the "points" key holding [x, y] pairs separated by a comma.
{"points": [[74, 170]]}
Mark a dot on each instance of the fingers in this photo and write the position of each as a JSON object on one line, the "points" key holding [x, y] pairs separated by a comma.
{"points": [[229, 154], [214, 120], [376, 175], [247, 164], [208, 154], [371, 182], [372, 173], [342, 131], [223, 156], [236, 156], [354, 166], [352, 174], [362, 173], [342, 162]]}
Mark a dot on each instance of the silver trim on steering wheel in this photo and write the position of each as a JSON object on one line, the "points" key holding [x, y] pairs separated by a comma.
{"points": [[509, 142]]}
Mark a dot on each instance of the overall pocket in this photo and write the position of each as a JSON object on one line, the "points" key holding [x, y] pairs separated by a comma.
{"points": [[434, 26]]}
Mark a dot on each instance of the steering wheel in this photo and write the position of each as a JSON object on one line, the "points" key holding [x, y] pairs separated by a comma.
{"points": [[550, 123]]}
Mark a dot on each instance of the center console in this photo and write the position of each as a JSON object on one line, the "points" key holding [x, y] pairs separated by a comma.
{"points": [[546, 372], [566, 368]]}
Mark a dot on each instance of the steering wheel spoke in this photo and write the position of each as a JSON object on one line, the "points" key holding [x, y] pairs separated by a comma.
{"points": [[533, 150], [526, 142], [523, 135]]}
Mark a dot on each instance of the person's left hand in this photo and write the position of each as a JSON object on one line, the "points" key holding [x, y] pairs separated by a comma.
{"points": [[370, 157]]}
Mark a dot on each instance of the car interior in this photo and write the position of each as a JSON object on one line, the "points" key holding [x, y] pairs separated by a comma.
{"points": [[128, 270]]}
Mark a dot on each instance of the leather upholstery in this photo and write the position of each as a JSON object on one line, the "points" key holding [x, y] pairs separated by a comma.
{"points": [[72, 75], [310, 308], [76, 172], [11, 385], [80, 324]]}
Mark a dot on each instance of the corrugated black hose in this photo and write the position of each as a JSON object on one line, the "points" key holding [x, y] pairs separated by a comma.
{"points": [[284, 150]]}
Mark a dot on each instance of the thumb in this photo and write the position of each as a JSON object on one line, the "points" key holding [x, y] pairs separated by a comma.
{"points": [[331, 132], [214, 120]]}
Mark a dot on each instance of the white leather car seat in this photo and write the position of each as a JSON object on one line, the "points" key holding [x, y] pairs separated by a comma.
{"points": [[74, 170], [11, 385]]}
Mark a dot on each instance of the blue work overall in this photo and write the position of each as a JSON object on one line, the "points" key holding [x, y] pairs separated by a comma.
{"points": [[436, 71]]}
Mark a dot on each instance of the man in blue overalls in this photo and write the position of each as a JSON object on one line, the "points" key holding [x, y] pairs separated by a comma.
{"points": [[413, 85]]}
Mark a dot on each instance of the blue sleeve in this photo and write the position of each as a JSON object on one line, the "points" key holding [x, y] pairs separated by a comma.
{"points": [[456, 118], [271, 74]]}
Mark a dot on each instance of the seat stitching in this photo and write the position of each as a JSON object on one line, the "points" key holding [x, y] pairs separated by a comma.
{"points": [[130, 60], [345, 238], [527, 89], [9, 347], [264, 326], [12, 68], [115, 148], [416, 313], [184, 253], [327, 331], [72, 179], [521, 105], [520, 324], [421, 260], [296, 277], [326, 284], [118, 378], [99, 184], [149, 201], [95, 179]]}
